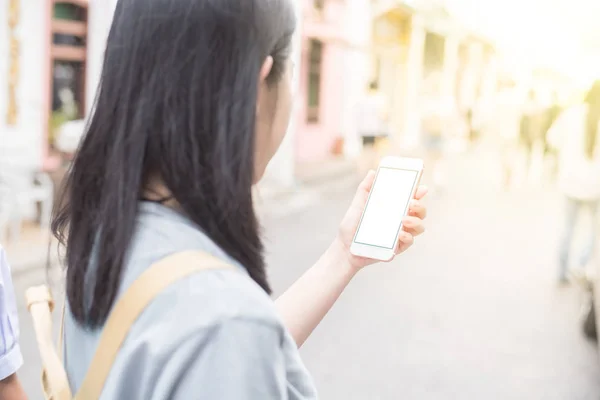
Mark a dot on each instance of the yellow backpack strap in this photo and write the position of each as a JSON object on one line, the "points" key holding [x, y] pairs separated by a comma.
{"points": [[126, 311], [54, 377]]}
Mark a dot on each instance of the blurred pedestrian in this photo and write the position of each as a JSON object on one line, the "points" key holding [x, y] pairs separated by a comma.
{"points": [[532, 131], [10, 351], [550, 155], [194, 101], [552, 113], [504, 122], [575, 136], [437, 111], [372, 114]]}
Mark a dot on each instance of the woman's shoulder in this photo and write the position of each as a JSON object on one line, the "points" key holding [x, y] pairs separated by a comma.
{"points": [[211, 297], [204, 298], [199, 310], [194, 311], [196, 331], [198, 304], [208, 296]]}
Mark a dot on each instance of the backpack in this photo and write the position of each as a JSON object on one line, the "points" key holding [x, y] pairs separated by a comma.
{"points": [[125, 312]]}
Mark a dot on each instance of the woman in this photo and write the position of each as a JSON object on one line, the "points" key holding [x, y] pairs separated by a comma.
{"points": [[10, 351], [193, 103], [575, 136]]}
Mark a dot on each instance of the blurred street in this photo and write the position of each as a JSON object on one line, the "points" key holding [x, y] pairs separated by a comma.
{"points": [[471, 312]]}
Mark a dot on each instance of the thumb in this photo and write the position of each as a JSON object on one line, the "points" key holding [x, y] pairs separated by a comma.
{"points": [[367, 183], [363, 190]]}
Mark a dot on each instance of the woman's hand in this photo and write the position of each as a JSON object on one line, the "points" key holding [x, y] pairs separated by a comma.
{"points": [[412, 223], [305, 304]]}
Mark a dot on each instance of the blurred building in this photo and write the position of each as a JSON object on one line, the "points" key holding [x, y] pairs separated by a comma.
{"points": [[396, 58], [55, 51], [477, 71], [54, 58], [395, 43], [331, 74], [49, 69], [24, 76]]}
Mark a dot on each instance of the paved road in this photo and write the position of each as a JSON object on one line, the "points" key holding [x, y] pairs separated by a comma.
{"points": [[472, 312]]}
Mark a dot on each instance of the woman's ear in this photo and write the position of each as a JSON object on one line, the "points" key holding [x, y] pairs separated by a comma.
{"points": [[266, 68]]}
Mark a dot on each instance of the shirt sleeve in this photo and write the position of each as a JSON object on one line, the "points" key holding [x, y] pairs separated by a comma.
{"points": [[242, 360], [10, 352]]}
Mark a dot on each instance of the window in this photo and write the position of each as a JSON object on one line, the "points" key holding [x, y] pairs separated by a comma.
{"points": [[68, 62], [314, 81], [69, 11]]}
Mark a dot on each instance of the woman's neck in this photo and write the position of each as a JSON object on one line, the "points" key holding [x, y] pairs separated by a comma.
{"points": [[156, 191]]}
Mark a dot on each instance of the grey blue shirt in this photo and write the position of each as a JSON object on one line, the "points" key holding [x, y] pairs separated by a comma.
{"points": [[213, 335], [10, 352]]}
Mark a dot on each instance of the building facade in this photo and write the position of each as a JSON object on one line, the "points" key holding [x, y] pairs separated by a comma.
{"points": [[332, 71], [25, 98], [55, 50]]}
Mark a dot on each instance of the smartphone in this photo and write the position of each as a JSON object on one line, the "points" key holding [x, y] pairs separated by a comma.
{"points": [[395, 186]]}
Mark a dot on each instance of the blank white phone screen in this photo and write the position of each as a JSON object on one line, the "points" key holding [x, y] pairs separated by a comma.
{"points": [[386, 207]]}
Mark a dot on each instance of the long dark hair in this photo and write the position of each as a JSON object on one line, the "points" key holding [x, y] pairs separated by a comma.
{"points": [[177, 101], [593, 119]]}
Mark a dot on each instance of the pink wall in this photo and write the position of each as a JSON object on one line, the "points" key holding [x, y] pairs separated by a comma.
{"points": [[314, 140]]}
